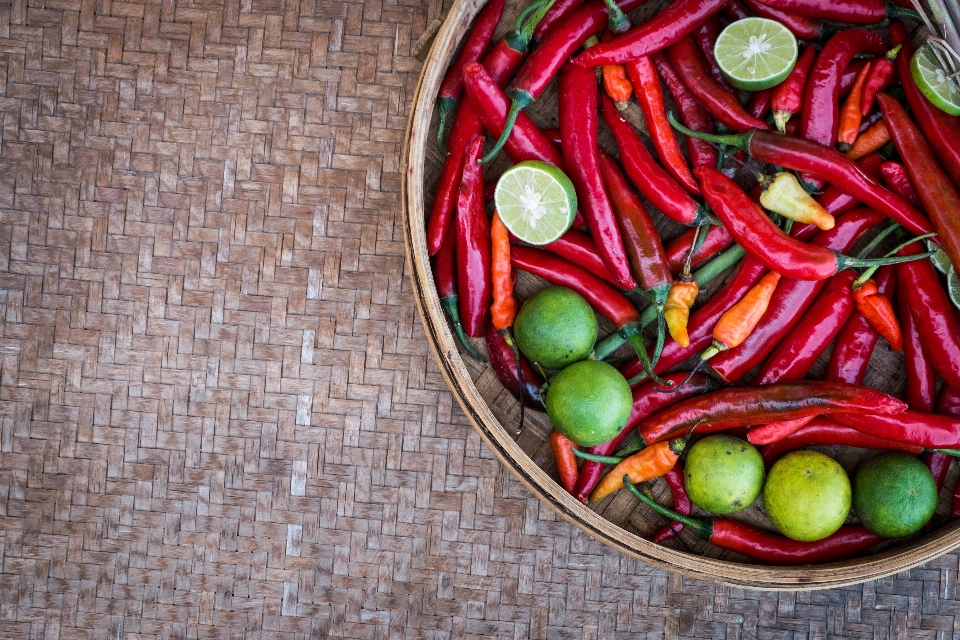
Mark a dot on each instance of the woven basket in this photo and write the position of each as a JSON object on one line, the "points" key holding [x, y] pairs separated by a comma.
{"points": [[621, 522]]}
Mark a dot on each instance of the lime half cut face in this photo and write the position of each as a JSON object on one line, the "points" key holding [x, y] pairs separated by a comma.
{"points": [[536, 201], [756, 53], [934, 81]]}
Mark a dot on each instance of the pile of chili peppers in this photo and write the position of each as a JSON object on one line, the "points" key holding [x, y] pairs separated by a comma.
{"points": [[845, 151]]}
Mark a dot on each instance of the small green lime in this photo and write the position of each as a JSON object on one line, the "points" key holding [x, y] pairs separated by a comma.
{"points": [[755, 53], [589, 402], [894, 494], [723, 474], [934, 82], [536, 201], [807, 495], [555, 327]]}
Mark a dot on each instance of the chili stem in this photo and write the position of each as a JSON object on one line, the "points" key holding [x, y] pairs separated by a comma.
{"points": [[601, 459], [866, 275], [703, 527], [739, 140], [452, 308]]}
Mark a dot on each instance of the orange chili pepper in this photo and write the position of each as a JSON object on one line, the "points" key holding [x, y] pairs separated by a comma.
{"points": [[869, 141], [617, 85], [566, 460], [676, 310], [504, 307], [878, 309], [741, 319], [850, 116], [650, 463]]}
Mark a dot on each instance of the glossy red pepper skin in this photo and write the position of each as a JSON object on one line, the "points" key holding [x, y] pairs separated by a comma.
{"points": [[692, 114], [706, 38], [474, 45], [526, 141], [719, 103], [787, 98], [789, 301], [882, 75], [804, 343], [504, 365], [927, 430], [673, 23], [651, 180], [578, 131], [759, 105], [895, 177], [934, 188], [836, 201], [556, 13], [808, 28], [939, 465], [824, 431], [681, 503], [848, 541], [718, 239], [579, 248], [649, 92], [857, 339], [948, 403], [474, 277], [743, 406], [848, 11], [933, 315], [921, 378], [646, 402]]}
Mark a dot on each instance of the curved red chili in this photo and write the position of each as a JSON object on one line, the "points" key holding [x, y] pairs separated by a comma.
{"points": [[579, 248], [881, 76], [927, 430], [948, 403], [718, 239], [558, 11], [681, 503], [692, 114], [473, 246], [939, 465], [578, 131], [824, 431], [921, 378], [706, 38], [808, 28], [786, 100], [504, 364], [848, 11], [857, 339], [759, 104], [895, 177], [835, 201], [445, 277]]}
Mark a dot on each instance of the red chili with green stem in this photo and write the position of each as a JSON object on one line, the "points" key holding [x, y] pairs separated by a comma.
{"points": [[501, 63], [549, 56], [649, 92], [445, 276], [605, 299], [881, 76], [681, 504], [848, 541], [857, 339], [822, 431], [473, 246], [719, 103], [504, 365], [836, 201], [579, 127], [787, 98], [650, 179], [476, 42], [717, 239], [848, 11], [799, 154], [646, 402], [706, 38], [692, 114]]}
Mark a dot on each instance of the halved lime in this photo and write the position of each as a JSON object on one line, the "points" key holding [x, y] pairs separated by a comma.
{"points": [[536, 201], [932, 80], [940, 259], [953, 287], [756, 53]]}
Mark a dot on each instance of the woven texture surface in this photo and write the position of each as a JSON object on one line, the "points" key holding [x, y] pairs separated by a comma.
{"points": [[219, 417]]}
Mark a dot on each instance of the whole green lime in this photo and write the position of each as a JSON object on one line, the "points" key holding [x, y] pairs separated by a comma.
{"points": [[894, 494], [807, 495], [589, 402], [555, 327], [723, 474]]}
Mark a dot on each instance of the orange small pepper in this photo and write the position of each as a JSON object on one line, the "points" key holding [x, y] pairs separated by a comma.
{"points": [[869, 141], [850, 116], [741, 319], [878, 309], [566, 459], [617, 85], [676, 310], [647, 464], [504, 308]]}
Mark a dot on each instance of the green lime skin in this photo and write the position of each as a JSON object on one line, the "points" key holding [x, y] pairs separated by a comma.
{"points": [[589, 402], [807, 495], [894, 494], [723, 474], [555, 327]]}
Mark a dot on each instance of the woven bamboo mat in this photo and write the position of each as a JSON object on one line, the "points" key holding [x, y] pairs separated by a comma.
{"points": [[218, 415]]}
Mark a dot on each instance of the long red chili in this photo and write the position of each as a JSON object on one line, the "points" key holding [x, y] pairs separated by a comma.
{"points": [[948, 403], [786, 100], [681, 503], [651, 180], [836, 201], [673, 23], [857, 339], [759, 104], [849, 11], [558, 11], [579, 248], [927, 430], [720, 104], [895, 177], [824, 431], [921, 378], [692, 114], [718, 238], [803, 27], [445, 276], [803, 344], [882, 72], [504, 364], [578, 131], [646, 85], [473, 246], [706, 38]]}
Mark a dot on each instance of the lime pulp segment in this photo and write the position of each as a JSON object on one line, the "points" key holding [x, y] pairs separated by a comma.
{"points": [[756, 53], [934, 81], [536, 201]]}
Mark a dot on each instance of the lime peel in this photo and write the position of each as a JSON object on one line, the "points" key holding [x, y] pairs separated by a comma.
{"points": [[536, 201], [756, 53]]}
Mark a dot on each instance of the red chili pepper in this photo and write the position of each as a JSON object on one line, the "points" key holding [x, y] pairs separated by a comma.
{"points": [[895, 177], [650, 179], [855, 343], [948, 403], [911, 427], [921, 378], [565, 458], [878, 309], [557, 11], [646, 401], [882, 73], [824, 431], [803, 27], [791, 300], [681, 504], [848, 127], [759, 104], [849, 11], [692, 114], [836, 201], [474, 45], [646, 82], [939, 465], [849, 540], [445, 275], [934, 188], [578, 130], [504, 364], [849, 76], [473, 246], [718, 239], [744, 406], [786, 99], [776, 431], [721, 104], [706, 38], [579, 248], [819, 119], [798, 351]]}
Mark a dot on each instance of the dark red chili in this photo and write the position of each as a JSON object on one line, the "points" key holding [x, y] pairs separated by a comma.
{"points": [[578, 131], [927, 430], [790, 301], [939, 196], [473, 246], [579, 248], [706, 38], [759, 105], [939, 465], [824, 431], [526, 141], [692, 114], [504, 365], [445, 276], [681, 503], [848, 11], [857, 339], [476, 42], [948, 403], [786, 100], [720, 104], [798, 351], [803, 27], [836, 201], [649, 92], [646, 401], [921, 378], [881, 76], [718, 238], [895, 177], [650, 179]]}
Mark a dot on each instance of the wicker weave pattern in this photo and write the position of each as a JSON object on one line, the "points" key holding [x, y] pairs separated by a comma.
{"points": [[218, 414]]}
